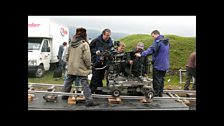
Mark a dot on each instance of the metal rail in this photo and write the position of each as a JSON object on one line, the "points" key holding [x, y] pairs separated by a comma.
{"points": [[32, 85], [179, 91], [108, 96]]}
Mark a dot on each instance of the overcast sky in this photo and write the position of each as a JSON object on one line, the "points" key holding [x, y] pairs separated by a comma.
{"points": [[177, 25]]}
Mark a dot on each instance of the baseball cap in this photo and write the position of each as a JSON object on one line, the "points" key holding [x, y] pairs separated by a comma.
{"points": [[140, 45]]}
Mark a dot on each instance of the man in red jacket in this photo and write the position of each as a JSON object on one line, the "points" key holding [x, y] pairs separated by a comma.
{"points": [[191, 71]]}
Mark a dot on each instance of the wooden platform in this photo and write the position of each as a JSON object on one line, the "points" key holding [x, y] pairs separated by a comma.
{"points": [[72, 99], [39, 103]]}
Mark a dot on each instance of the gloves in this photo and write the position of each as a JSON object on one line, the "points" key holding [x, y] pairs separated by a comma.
{"points": [[137, 54], [97, 52]]}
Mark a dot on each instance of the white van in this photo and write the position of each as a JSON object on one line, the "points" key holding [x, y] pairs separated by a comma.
{"points": [[44, 38]]}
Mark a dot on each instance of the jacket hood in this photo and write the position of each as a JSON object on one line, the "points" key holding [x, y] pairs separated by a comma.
{"points": [[76, 42], [165, 41], [161, 38]]}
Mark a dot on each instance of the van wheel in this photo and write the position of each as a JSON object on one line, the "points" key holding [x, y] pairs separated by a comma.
{"points": [[40, 71]]}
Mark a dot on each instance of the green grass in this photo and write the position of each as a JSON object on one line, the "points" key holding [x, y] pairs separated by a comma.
{"points": [[174, 82], [47, 78]]}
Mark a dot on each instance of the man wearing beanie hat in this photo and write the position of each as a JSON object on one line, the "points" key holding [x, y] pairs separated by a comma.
{"points": [[139, 64]]}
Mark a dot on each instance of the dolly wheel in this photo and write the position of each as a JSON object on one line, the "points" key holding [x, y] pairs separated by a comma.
{"points": [[116, 93], [149, 94]]}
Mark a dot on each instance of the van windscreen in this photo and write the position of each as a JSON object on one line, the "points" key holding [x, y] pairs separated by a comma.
{"points": [[34, 43]]}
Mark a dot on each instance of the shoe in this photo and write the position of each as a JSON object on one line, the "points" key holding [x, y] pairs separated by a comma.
{"points": [[88, 104], [64, 97], [193, 88], [160, 94], [92, 91], [98, 92], [156, 94], [186, 88]]}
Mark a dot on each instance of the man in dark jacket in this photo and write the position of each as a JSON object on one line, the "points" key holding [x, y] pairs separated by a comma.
{"points": [[139, 64], [160, 59], [60, 55], [99, 45]]}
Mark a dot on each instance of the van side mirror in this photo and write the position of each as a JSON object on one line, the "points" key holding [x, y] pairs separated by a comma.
{"points": [[48, 49]]}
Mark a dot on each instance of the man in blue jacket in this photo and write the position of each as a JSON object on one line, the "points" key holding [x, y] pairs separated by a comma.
{"points": [[160, 60]]}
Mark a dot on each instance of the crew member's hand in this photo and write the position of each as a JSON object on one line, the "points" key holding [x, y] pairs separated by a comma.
{"points": [[137, 54], [130, 62], [97, 52]]}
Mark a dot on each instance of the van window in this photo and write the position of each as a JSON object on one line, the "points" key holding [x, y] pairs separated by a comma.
{"points": [[45, 46]]}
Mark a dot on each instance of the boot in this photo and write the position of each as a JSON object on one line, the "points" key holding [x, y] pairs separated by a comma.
{"points": [[88, 104], [161, 94], [64, 97]]}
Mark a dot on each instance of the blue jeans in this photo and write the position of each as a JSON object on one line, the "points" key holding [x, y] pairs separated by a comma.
{"points": [[77, 80], [84, 81]]}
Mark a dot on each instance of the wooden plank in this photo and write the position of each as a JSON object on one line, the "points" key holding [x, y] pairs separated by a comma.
{"points": [[30, 97], [181, 94], [114, 100], [72, 100], [191, 94], [80, 98], [144, 100]]}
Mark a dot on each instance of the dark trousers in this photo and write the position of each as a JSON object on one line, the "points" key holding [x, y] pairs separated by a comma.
{"points": [[62, 64], [158, 81], [190, 72], [97, 79], [84, 81]]}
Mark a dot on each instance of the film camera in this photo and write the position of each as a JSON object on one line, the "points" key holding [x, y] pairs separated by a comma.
{"points": [[118, 82]]}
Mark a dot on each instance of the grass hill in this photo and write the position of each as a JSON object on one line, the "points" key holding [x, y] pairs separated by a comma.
{"points": [[180, 47]]}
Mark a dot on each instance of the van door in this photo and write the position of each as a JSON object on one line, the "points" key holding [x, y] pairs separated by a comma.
{"points": [[46, 54]]}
